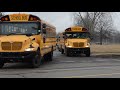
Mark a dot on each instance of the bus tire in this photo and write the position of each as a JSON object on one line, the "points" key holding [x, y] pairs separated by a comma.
{"points": [[1, 64], [62, 51], [66, 52], [88, 53], [51, 56], [36, 61]]}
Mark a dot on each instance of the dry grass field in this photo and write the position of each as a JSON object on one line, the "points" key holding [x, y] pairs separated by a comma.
{"points": [[115, 49]]}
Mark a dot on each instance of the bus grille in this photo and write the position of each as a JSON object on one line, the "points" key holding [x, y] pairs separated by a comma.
{"points": [[76, 44], [11, 46]]}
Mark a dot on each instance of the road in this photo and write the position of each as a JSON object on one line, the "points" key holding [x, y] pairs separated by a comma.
{"points": [[66, 67]]}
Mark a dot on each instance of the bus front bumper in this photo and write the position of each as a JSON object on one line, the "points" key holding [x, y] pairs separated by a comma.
{"points": [[78, 50], [17, 56]]}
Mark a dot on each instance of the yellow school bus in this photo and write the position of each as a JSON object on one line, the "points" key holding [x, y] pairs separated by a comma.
{"points": [[26, 38], [60, 42], [74, 41]]}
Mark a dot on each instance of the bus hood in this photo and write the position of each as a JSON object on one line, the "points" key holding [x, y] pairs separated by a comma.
{"points": [[75, 43], [14, 38], [14, 43], [77, 40]]}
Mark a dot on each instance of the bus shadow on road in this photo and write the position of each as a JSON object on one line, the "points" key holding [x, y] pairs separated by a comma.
{"points": [[16, 66], [23, 65], [78, 55]]}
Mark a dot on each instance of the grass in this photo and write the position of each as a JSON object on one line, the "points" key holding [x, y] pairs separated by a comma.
{"points": [[105, 49]]}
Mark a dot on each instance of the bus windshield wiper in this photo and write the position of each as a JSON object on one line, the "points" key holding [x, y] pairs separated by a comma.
{"points": [[11, 34], [29, 34], [34, 28]]}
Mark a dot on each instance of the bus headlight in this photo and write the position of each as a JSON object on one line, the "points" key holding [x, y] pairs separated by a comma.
{"points": [[69, 46], [29, 49], [87, 45]]}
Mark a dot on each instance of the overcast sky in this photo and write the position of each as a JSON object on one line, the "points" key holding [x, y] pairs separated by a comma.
{"points": [[62, 20]]}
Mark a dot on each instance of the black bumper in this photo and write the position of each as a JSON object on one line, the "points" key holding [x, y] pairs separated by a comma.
{"points": [[78, 50], [17, 56]]}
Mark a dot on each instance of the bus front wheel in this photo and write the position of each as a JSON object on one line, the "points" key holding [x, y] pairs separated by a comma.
{"points": [[1, 63], [88, 53], [36, 61], [66, 52], [50, 55]]}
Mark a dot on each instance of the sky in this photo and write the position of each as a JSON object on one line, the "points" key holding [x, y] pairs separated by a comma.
{"points": [[63, 20], [116, 20]]}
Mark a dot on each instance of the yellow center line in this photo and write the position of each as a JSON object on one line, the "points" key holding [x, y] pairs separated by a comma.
{"points": [[92, 75]]}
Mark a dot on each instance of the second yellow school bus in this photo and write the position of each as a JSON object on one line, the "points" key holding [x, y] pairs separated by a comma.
{"points": [[26, 38], [74, 40]]}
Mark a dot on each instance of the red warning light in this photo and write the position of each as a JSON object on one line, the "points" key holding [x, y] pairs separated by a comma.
{"points": [[33, 18], [69, 29], [5, 18], [84, 29]]}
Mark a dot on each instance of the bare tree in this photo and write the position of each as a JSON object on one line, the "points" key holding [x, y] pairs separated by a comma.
{"points": [[100, 22], [87, 19], [104, 26]]}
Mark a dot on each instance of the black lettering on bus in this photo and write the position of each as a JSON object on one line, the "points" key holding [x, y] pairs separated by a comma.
{"points": [[24, 17]]}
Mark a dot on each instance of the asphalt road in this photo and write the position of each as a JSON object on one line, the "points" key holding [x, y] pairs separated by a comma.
{"points": [[66, 67]]}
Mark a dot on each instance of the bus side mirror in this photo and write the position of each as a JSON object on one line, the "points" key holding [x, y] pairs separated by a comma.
{"points": [[44, 28], [91, 38], [59, 38]]}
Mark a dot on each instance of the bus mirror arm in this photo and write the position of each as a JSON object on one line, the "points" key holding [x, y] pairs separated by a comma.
{"points": [[91, 38], [44, 31], [44, 39], [44, 28]]}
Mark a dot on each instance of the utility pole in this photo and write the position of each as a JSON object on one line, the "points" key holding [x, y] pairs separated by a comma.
{"points": [[101, 38]]}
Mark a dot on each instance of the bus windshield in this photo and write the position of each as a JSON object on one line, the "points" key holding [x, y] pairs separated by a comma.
{"points": [[77, 35], [18, 28]]}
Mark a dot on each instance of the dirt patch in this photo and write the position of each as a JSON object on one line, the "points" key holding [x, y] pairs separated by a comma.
{"points": [[105, 49]]}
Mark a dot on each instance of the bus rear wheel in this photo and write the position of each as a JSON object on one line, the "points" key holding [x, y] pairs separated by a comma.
{"points": [[62, 51], [50, 55]]}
